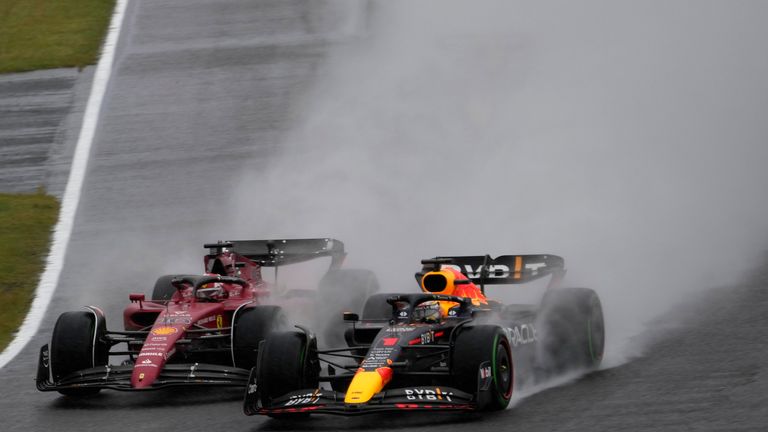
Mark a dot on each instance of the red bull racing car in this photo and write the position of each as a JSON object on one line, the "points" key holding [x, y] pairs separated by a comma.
{"points": [[448, 348], [195, 329]]}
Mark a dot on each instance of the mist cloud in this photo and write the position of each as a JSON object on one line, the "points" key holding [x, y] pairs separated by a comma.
{"points": [[628, 137]]}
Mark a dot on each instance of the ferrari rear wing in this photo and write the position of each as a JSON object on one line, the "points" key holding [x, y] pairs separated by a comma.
{"points": [[274, 253], [504, 269]]}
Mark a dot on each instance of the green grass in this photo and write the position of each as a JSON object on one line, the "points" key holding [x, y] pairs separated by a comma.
{"points": [[45, 34], [26, 223]]}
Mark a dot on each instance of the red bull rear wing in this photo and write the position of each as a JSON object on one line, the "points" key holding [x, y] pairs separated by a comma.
{"points": [[504, 269]]}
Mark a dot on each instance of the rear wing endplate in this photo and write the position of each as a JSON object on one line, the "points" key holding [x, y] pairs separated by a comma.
{"points": [[274, 253], [504, 269]]}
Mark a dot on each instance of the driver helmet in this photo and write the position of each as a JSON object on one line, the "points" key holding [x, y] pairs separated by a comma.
{"points": [[211, 291], [428, 312]]}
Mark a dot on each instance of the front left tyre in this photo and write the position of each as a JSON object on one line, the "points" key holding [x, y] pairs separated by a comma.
{"points": [[484, 347], [77, 343], [289, 362]]}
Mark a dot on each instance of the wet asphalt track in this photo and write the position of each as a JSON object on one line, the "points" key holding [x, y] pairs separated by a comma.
{"points": [[203, 89]]}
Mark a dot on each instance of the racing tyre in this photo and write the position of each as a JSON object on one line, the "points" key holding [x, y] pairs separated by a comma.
{"points": [[572, 331], [250, 327], [486, 347], [289, 363], [77, 344], [163, 289], [343, 290]]}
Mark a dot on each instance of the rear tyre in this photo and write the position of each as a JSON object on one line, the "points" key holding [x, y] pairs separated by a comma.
{"points": [[342, 290], [163, 289], [251, 326], [289, 363], [572, 331], [77, 344], [478, 346]]}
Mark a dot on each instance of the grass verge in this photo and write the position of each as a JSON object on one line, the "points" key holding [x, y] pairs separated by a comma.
{"points": [[26, 223], [45, 34]]}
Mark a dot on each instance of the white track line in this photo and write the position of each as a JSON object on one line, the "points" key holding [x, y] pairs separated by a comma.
{"points": [[63, 229]]}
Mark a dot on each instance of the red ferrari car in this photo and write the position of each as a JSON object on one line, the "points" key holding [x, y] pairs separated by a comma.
{"points": [[195, 329]]}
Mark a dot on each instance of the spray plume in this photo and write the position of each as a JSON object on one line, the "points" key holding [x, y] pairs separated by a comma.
{"points": [[628, 137]]}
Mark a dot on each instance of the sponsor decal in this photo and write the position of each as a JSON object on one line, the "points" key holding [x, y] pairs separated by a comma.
{"points": [[147, 363], [164, 331], [158, 339], [495, 271], [377, 356], [206, 320], [427, 337], [522, 334], [219, 321], [485, 372], [486, 376], [152, 354], [170, 320], [400, 329], [155, 344], [305, 399], [389, 341], [427, 394], [403, 314], [253, 388], [46, 358]]}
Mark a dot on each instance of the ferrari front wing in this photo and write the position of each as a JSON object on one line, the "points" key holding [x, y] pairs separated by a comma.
{"points": [[119, 377]]}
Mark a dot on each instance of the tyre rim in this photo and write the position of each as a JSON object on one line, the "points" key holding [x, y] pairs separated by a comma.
{"points": [[502, 369]]}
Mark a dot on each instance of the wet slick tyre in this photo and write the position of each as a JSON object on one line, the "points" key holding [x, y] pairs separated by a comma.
{"points": [[289, 363], [251, 326], [571, 330], [484, 345], [77, 344]]}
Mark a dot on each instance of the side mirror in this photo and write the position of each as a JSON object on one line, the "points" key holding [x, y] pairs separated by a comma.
{"points": [[136, 297], [351, 317]]}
